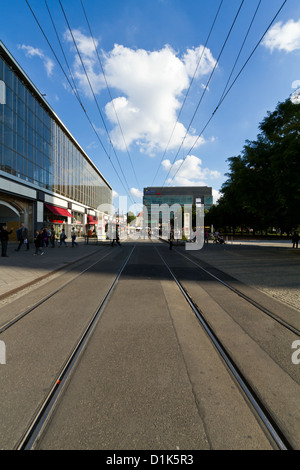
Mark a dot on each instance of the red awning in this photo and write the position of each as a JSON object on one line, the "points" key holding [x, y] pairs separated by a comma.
{"points": [[58, 211], [92, 219]]}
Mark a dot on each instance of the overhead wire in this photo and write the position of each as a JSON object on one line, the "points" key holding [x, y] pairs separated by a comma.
{"points": [[225, 93], [63, 52], [75, 91], [112, 101], [190, 85], [207, 84], [94, 96]]}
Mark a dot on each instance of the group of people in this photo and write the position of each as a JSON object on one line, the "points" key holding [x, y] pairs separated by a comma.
{"points": [[216, 237], [42, 239], [43, 236]]}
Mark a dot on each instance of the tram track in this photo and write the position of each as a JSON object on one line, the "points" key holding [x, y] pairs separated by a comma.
{"points": [[30, 309], [268, 422], [47, 407], [30, 437], [248, 299]]}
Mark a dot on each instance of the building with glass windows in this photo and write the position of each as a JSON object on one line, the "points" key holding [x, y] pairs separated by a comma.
{"points": [[45, 176], [176, 195]]}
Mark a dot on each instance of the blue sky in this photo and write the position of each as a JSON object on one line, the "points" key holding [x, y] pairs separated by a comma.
{"points": [[160, 85]]}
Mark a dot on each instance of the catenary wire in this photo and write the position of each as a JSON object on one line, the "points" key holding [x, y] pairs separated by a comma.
{"points": [[112, 101], [94, 96], [62, 50], [76, 95], [206, 86], [188, 90], [232, 84]]}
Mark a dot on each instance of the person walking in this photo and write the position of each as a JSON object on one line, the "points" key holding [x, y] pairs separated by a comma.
{"points": [[38, 241], [171, 240], [45, 236], [63, 237], [116, 236], [52, 237], [73, 237], [23, 237], [4, 240], [295, 239]]}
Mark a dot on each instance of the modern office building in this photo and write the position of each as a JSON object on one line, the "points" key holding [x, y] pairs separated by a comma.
{"points": [[45, 176], [180, 195]]}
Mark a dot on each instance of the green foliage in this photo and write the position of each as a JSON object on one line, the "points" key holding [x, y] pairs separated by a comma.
{"points": [[130, 217], [263, 185]]}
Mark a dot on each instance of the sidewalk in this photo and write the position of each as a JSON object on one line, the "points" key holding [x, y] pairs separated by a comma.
{"points": [[273, 243], [22, 269]]}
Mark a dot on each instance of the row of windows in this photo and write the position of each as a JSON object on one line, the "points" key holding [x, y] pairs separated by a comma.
{"points": [[22, 95], [16, 165], [36, 149], [170, 200]]}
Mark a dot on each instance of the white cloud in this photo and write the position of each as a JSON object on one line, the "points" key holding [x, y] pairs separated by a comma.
{"points": [[216, 195], [89, 58], [189, 172], [149, 86], [136, 192], [32, 52], [284, 37]]}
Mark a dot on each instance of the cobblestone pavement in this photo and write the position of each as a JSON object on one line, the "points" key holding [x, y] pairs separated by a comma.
{"points": [[273, 268]]}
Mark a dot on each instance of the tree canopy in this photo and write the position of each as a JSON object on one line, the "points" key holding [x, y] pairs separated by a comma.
{"points": [[263, 185]]}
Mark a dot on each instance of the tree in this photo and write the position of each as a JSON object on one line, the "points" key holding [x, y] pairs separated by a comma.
{"points": [[263, 185], [130, 217]]}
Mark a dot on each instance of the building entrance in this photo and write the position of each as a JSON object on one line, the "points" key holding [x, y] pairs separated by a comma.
{"points": [[9, 216]]}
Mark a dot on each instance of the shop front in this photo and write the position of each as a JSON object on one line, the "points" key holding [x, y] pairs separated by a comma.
{"points": [[56, 218]]}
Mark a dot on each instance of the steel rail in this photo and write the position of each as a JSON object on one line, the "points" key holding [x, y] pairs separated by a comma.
{"points": [[30, 437], [14, 320], [271, 426], [245, 297]]}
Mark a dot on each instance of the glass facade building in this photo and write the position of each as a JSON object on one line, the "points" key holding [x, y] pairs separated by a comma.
{"points": [[38, 151], [176, 195]]}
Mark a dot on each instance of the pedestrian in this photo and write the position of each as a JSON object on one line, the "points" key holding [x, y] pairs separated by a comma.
{"points": [[116, 236], [52, 237], [45, 236], [171, 238], [4, 239], [206, 236], [38, 241], [23, 237], [63, 237], [295, 239], [73, 237]]}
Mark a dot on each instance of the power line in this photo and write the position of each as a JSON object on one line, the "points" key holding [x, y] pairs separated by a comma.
{"points": [[190, 85], [75, 93], [112, 101], [94, 96], [61, 47], [234, 81], [206, 87]]}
